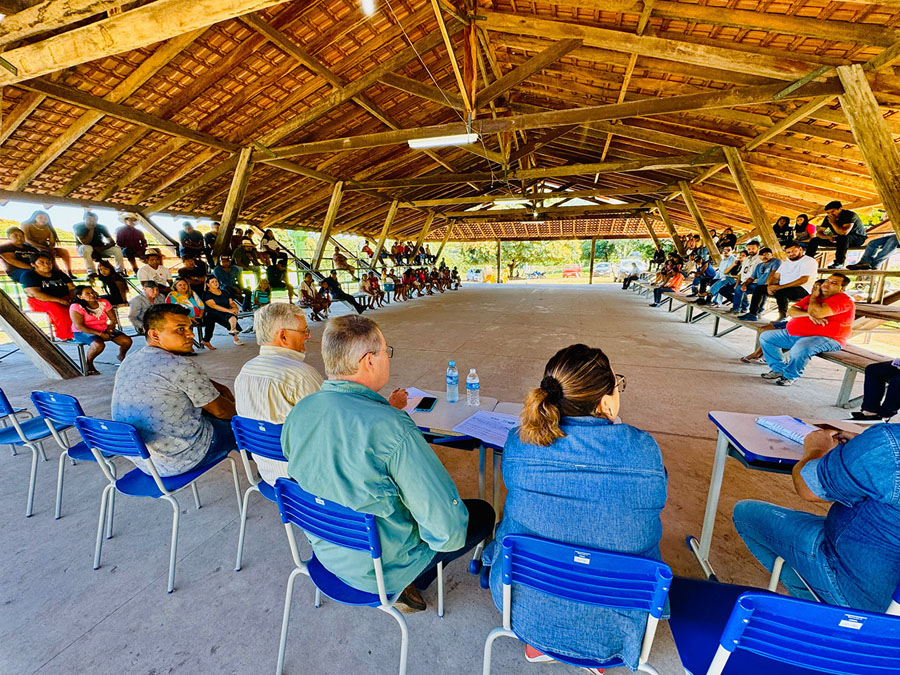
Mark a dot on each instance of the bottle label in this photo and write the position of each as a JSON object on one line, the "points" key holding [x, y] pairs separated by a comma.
{"points": [[475, 386], [453, 380]]}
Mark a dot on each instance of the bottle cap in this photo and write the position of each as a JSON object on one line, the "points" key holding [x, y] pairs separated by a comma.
{"points": [[452, 362], [471, 371]]}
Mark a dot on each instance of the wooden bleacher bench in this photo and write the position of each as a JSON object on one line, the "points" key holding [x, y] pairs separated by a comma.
{"points": [[854, 360]]}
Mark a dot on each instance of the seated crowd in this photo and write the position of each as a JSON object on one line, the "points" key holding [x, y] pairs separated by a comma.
{"points": [[607, 488]]}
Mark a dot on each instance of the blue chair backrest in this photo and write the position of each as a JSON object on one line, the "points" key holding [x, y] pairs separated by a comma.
{"points": [[585, 575], [260, 438], [324, 519], [111, 438], [5, 406], [811, 635], [59, 408]]}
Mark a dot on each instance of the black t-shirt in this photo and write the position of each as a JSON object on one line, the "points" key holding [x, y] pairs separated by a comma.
{"points": [[333, 285], [194, 238], [210, 240], [846, 217], [275, 276], [24, 253], [784, 233], [57, 284], [724, 240], [113, 294], [222, 300]]}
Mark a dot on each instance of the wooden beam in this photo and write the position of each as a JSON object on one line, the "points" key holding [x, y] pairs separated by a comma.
{"points": [[146, 25], [648, 164], [19, 114], [184, 168], [45, 199], [781, 67], [447, 236], [50, 15], [539, 142], [208, 176], [442, 27], [873, 138], [699, 221], [649, 223], [429, 93], [670, 226], [510, 214], [533, 65], [141, 167], [426, 228], [575, 194], [498, 262], [591, 267], [758, 216], [122, 112], [330, 217], [235, 200], [388, 221], [558, 118], [34, 343]]}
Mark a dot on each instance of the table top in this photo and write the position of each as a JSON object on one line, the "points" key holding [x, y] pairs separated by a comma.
{"points": [[757, 443], [872, 310], [444, 416], [508, 408]]}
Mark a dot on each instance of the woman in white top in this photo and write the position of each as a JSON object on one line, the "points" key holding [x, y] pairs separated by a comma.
{"points": [[313, 299]]}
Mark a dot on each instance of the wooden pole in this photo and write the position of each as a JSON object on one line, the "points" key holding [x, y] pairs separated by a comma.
{"points": [[649, 224], [429, 219], [498, 261], [234, 201], [591, 272], [670, 226], [444, 243], [330, 217], [34, 343], [758, 215], [699, 220], [392, 213], [873, 139], [151, 227]]}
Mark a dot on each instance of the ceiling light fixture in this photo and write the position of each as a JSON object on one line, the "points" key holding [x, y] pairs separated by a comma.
{"points": [[442, 141], [368, 7]]}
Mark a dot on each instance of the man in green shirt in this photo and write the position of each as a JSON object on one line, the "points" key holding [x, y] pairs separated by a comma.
{"points": [[347, 444]]}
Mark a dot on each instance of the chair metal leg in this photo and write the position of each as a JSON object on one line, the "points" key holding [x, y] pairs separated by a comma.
{"points": [[111, 509], [243, 527], [285, 619], [32, 480], [40, 445], [176, 514], [318, 602], [237, 484], [196, 494], [440, 584], [647, 668], [488, 647], [103, 505], [404, 637], [59, 483]]}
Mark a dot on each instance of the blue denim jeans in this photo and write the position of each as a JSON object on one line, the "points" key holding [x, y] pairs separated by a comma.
{"points": [[799, 351], [723, 287], [770, 531], [879, 250], [741, 298]]}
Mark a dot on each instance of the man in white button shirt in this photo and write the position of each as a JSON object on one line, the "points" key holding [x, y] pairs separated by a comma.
{"points": [[269, 385], [154, 270]]}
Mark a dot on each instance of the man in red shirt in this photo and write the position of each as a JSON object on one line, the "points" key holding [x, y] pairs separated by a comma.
{"points": [[820, 322]]}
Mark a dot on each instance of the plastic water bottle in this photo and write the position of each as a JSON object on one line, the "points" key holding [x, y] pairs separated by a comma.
{"points": [[452, 383], [473, 389]]}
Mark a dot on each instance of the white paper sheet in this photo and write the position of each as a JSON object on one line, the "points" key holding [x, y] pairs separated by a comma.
{"points": [[489, 427]]}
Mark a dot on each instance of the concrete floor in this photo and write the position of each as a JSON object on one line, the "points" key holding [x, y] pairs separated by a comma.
{"points": [[57, 615]]}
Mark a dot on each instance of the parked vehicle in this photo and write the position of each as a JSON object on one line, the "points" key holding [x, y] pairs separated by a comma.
{"points": [[475, 274], [571, 271], [602, 269]]}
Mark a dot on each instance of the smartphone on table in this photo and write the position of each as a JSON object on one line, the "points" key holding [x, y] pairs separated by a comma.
{"points": [[426, 404]]}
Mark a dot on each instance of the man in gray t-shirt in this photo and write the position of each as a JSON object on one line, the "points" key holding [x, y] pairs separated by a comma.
{"points": [[182, 416]]}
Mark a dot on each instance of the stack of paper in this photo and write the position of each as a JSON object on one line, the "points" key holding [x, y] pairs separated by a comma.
{"points": [[492, 428], [787, 426]]}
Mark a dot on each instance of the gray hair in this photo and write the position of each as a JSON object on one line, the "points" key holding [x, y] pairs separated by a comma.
{"points": [[346, 340], [271, 318]]}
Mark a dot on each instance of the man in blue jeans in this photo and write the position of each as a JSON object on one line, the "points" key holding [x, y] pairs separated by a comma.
{"points": [[850, 557], [877, 251], [820, 322]]}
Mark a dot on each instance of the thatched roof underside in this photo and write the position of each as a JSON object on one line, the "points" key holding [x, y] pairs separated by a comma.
{"points": [[237, 83]]}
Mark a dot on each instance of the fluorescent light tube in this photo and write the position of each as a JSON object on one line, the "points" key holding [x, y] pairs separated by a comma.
{"points": [[440, 141], [368, 7]]}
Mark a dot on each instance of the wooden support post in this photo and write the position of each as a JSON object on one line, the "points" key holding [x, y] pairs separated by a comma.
{"points": [[498, 261], [591, 270], [429, 219], [873, 138], [392, 213], [758, 215], [701, 223], [235, 200], [330, 216], [670, 226], [151, 227], [444, 243], [34, 343], [649, 224]]}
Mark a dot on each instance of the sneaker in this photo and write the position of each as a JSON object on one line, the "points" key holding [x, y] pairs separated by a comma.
{"points": [[865, 417], [771, 375], [532, 655], [654, 304], [748, 317], [747, 359], [410, 601], [860, 266], [761, 360], [836, 266], [784, 382]]}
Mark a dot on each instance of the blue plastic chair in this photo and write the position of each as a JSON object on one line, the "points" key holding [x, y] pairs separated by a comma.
{"points": [[721, 628], [344, 527], [61, 410], [107, 438], [263, 439], [583, 576], [28, 433]]}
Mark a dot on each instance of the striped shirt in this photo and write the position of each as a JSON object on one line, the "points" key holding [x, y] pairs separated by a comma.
{"points": [[268, 387]]}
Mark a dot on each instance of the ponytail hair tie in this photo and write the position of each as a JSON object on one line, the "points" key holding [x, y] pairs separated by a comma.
{"points": [[553, 389]]}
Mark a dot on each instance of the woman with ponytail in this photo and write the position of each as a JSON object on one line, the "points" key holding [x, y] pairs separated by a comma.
{"points": [[576, 476]]}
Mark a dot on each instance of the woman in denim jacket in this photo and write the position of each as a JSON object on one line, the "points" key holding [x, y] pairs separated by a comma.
{"points": [[576, 477]]}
